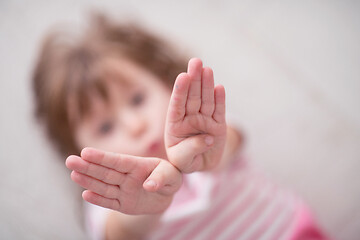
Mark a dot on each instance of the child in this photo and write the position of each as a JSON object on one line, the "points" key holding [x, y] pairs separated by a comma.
{"points": [[169, 165]]}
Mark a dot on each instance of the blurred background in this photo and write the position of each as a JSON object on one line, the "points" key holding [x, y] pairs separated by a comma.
{"points": [[292, 75]]}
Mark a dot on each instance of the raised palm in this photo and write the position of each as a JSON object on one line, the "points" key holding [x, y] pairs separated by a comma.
{"points": [[195, 131]]}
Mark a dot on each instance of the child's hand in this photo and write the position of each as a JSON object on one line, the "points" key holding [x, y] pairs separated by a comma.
{"points": [[195, 130], [129, 184]]}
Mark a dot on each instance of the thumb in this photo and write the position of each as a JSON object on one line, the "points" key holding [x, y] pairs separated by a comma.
{"points": [[187, 154], [165, 179]]}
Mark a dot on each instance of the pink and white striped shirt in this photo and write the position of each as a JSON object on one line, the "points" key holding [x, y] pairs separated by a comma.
{"points": [[238, 203]]}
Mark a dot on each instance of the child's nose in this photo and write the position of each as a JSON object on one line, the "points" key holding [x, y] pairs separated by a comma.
{"points": [[134, 124]]}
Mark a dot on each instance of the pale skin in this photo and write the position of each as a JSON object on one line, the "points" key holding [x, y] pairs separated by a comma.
{"points": [[195, 137], [117, 181], [195, 132]]}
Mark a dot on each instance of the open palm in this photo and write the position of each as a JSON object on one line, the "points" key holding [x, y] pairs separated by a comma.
{"points": [[129, 184], [195, 131]]}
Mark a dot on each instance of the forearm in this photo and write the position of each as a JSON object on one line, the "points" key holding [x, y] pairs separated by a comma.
{"points": [[121, 226], [234, 143]]}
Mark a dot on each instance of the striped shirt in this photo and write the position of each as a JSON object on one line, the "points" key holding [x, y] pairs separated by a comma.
{"points": [[238, 203]]}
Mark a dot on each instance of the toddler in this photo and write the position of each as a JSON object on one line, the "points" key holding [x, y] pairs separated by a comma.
{"points": [[160, 163]]}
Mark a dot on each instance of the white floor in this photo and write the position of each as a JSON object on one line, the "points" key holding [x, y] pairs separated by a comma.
{"points": [[292, 75]]}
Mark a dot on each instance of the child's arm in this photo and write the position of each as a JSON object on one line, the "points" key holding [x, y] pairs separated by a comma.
{"points": [[126, 184], [195, 132], [122, 226]]}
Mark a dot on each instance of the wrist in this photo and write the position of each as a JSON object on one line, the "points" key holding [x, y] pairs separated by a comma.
{"points": [[122, 226]]}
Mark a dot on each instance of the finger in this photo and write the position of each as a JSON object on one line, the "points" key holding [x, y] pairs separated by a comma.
{"points": [[183, 155], [165, 179], [194, 97], [178, 98], [207, 92], [119, 162], [101, 188], [99, 200], [219, 111], [99, 172]]}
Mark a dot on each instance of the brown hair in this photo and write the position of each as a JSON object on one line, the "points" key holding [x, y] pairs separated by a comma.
{"points": [[69, 67]]}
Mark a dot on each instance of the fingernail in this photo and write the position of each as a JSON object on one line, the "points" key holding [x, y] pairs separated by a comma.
{"points": [[209, 140], [150, 183]]}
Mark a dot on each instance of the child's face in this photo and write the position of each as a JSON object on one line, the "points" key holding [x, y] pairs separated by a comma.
{"points": [[133, 120]]}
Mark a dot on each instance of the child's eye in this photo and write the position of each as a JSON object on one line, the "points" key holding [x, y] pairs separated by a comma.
{"points": [[137, 99], [105, 127]]}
